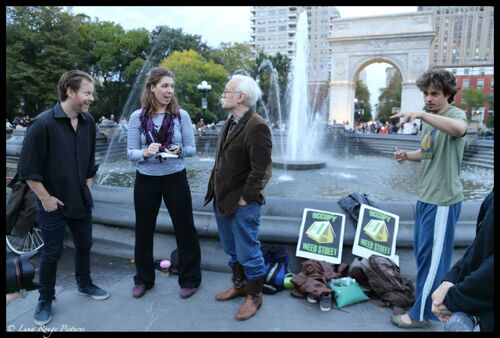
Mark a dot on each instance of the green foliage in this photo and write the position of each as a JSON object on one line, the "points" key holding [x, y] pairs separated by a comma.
{"points": [[113, 57], [41, 44], [472, 98], [45, 41], [190, 68], [235, 57], [166, 40], [362, 93], [389, 98]]}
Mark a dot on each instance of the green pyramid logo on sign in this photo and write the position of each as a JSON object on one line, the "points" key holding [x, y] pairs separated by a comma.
{"points": [[377, 230], [321, 232]]}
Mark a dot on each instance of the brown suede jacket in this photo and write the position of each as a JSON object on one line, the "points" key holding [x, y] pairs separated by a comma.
{"points": [[242, 164], [314, 277]]}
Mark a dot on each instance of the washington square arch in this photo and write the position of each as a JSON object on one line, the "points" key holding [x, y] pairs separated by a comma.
{"points": [[401, 40]]}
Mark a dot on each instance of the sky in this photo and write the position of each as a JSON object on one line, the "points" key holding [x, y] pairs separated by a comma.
{"points": [[232, 25]]}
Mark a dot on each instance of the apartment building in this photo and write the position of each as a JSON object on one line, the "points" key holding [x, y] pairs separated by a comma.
{"points": [[274, 28], [479, 76], [464, 35]]}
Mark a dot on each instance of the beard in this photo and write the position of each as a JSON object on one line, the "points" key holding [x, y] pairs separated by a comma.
{"points": [[222, 102]]}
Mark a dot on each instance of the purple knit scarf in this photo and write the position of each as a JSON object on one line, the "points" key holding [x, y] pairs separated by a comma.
{"points": [[166, 132]]}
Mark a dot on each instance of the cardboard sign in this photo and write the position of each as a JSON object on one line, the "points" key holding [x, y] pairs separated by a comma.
{"points": [[376, 233], [321, 236]]}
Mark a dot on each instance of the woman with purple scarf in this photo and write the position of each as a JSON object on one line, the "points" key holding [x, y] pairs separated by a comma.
{"points": [[160, 135]]}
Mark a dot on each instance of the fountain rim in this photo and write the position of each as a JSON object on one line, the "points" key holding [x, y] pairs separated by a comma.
{"points": [[281, 163]]}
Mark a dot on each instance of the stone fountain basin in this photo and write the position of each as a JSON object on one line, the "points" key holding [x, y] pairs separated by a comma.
{"points": [[297, 164], [114, 223]]}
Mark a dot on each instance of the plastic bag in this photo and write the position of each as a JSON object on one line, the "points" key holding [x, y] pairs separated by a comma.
{"points": [[347, 291]]}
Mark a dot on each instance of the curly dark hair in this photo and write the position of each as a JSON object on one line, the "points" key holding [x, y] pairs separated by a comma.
{"points": [[439, 78]]}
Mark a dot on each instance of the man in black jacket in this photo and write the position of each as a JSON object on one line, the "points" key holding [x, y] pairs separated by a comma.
{"points": [[468, 286], [57, 162]]}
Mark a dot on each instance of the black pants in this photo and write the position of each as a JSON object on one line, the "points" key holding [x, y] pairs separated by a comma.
{"points": [[52, 225], [148, 193]]}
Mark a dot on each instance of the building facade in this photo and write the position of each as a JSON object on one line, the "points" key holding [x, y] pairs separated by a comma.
{"points": [[274, 28], [481, 77], [464, 34]]}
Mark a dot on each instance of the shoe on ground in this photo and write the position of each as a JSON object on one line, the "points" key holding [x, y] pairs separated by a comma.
{"points": [[43, 312], [187, 292], [325, 302], [138, 290], [415, 324], [311, 299], [93, 291]]}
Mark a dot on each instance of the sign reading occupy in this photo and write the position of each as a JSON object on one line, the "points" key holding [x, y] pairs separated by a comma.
{"points": [[376, 233], [321, 236]]}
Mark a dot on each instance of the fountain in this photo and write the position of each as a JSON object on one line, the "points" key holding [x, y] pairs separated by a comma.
{"points": [[302, 138]]}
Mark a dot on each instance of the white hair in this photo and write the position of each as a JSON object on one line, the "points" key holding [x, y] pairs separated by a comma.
{"points": [[249, 87]]}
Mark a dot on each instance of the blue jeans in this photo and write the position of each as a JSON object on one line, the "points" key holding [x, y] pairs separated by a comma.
{"points": [[239, 238], [52, 225]]}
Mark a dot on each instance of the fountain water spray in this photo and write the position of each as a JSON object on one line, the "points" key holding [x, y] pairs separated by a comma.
{"points": [[304, 126]]}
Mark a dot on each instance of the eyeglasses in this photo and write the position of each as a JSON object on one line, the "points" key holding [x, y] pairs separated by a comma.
{"points": [[225, 92]]}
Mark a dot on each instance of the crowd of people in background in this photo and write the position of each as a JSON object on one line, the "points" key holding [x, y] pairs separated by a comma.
{"points": [[373, 127], [376, 127], [18, 122]]}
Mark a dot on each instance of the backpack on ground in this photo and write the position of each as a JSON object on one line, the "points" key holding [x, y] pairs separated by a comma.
{"points": [[386, 282], [352, 204], [277, 266]]}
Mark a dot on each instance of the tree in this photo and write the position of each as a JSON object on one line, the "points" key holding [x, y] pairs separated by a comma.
{"points": [[190, 68], [472, 99], [165, 40], [113, 57], [41, 44], [389, 98], [362, 93], [235, 57]]}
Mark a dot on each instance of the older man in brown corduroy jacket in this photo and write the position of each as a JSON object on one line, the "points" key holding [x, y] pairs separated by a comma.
{"points": [[241, 171]]}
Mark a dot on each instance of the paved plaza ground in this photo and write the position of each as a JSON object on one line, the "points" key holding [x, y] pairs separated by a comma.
{"points": [[161, 308]]}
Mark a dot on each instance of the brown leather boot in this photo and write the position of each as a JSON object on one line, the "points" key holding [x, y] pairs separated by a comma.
{"points": [[253, 300], [238, 288]]}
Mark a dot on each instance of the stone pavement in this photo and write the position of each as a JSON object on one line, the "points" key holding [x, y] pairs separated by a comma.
{"points": [[161, 308]]}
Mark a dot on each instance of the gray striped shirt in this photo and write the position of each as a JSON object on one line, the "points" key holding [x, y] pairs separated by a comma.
{"points": [[136, 145]]}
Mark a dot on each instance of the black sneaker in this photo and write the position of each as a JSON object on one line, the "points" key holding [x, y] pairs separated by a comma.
{"points": [[93, 291], [325, 302], [42, 312]]}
